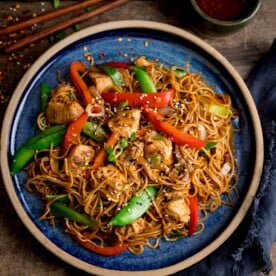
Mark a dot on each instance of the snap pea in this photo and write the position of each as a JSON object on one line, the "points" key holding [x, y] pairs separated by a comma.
{"points": [[60, 210], [45, 92], [94, 131], [145, 81], [114, 74], [42, 140], [54, 139], [59, 198], [22, 156], [135, 208]]}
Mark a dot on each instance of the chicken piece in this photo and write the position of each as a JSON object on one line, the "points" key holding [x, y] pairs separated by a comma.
{"points": [[112, 181], [141, 61], [152, 173], [63, 106], [125, 122], [158, 146], [134, 228], [138, 225], [79, 157], [102, 81], [63, 113], [178, 210], [64, 92], [134, 152]]}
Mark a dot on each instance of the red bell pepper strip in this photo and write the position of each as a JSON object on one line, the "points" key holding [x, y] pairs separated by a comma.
{"points": [[77, 67], [178, 136], [105, 251], [157, 100], [73, 131], [76, 127], [117, 64], [194, 215]]}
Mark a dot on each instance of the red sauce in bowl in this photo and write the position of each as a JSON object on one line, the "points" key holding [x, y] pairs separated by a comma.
{"points": [[221, 9]]}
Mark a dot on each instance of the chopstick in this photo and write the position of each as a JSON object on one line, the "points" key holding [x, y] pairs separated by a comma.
{"points": [[47, 16], [63, 25]]}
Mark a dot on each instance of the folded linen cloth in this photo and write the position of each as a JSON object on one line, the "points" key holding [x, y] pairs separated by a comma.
{"points": [[248, 250]]}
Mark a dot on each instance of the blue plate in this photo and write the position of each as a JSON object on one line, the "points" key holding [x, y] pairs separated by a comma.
{"points": [[125, 41]]}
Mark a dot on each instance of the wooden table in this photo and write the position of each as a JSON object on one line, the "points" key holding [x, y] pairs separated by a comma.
{"points": [[20, 253]]}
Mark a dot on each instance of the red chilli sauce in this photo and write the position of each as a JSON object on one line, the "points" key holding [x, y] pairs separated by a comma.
{"points": [[221, 9]]}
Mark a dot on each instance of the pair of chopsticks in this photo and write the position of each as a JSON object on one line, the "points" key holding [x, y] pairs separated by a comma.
{"points": [[108, 5]]}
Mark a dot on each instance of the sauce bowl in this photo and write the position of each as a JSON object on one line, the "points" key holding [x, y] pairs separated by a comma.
{"points": [[213, 18]]}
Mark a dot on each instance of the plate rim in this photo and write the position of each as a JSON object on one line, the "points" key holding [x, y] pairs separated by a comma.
{"points": [[147, 25]]}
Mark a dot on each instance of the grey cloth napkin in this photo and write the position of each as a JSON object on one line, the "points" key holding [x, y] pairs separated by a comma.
{"points": [[248, 250]]}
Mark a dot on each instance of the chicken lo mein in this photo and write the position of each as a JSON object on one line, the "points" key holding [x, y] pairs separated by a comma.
{"points": [[129, 154]]}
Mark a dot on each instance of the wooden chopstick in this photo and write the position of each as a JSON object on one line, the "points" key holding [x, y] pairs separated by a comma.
{"points": [[63, 25], [47, 16]]}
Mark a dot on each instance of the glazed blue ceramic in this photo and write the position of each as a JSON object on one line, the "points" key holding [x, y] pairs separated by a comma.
{"points": [[125, 41]]}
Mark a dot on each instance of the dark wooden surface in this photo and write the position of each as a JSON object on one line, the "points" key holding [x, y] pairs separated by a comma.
{"points": [[20, 253]]}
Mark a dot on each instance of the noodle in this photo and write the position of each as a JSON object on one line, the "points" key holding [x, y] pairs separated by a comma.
{"points": [[176, 171]]}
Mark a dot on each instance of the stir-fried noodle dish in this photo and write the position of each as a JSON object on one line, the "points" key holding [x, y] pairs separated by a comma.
{"points": [[128, 154]]}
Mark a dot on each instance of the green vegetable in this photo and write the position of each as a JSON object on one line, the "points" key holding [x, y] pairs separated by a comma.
{"points": [[59, 198], [110, 154], [62, 211], [123, 104], [155, 159], [42, 140], [123, 143], [21, 158], [158, 137], [45, 92], [145, 81], [59, 36], [135, 208], [90, 8], [218, 109], [76, 27], [41, 134], [94, 131], [133, 136], [56, 3], [210, 145], [114, 74], [114, 153], [54, 139], [51, 39], [56, 37], [180, 73]]}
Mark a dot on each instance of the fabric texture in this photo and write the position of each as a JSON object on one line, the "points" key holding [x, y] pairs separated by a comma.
{"points": [[248, 250]]}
